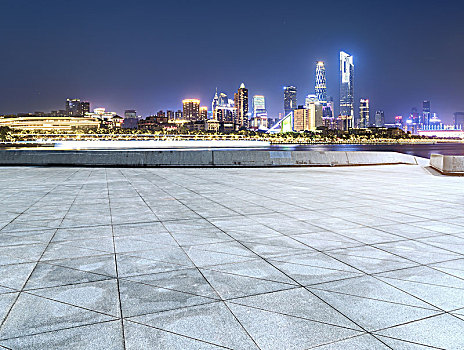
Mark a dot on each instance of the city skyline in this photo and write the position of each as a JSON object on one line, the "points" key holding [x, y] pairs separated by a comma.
{"points": [[140, 66]]}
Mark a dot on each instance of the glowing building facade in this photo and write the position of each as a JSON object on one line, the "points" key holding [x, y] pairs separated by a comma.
{"points": [[241, 106], [364, 117], [191, 109], [321, 83], [289, 99], [346, 89]]}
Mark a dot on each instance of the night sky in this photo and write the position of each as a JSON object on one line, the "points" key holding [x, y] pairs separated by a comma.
{"points": [[149, 55]]}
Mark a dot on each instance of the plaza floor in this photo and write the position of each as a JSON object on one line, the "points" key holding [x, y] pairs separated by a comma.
{"points": [[275, 258]]}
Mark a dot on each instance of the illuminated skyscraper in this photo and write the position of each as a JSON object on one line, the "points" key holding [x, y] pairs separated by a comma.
{"points": [[426, 112], [289, 99], [191, 109], [259, 103], [203, 113], [321, 85], [364, 118], [241, 105], [379, 119], [215, 102], [346, 88]]}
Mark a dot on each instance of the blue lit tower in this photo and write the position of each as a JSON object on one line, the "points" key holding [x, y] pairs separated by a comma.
{"points": [[289, 99], [346, 87], [321, 85], [426, 112]]}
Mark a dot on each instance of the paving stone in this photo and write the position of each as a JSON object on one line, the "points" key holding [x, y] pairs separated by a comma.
{"points": [[32, 315], [442, 331], [212, 323], [288, 332], [104, 336]]}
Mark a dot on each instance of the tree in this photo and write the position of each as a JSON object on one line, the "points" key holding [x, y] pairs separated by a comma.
{"points": [[4, 133]]}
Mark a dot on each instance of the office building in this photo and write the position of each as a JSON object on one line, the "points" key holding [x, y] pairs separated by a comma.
{"points": [[346, 88], [258, 104], [179, 115], [311, 99], [191, 109], [241, 106], [307, 118], [170, 115], [130, 113], [85, 108], [289, 99], [364, 119], [203, 113], [379, 119], [426, 112], [74, 107], [321, 84], [458, 119]]}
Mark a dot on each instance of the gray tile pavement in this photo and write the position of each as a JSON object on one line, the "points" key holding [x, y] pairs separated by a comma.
{"points": [[277, 258]]}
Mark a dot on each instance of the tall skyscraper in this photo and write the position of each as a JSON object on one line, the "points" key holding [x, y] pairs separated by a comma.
{"points": [[289, 99], [426, 112], [346, 88], [214, 103], [458, 119], [130, 113], [191, 109], [258, 104], [321, 84], [364, 118], [241, 105], [379, 119]]}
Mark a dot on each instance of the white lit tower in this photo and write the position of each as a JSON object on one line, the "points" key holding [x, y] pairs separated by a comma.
{"points": [[346, 88], [321, 85]]}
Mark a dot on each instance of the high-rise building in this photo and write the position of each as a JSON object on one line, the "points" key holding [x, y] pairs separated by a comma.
{"points": [[241, 105], [215, 101], [307, 118], [258, 103], [321, 83], [289, 99], [379, 119], [426, 112], [459, 120], [191, 109], [346, 88], [179, 115], [363, 121], [85, 107], [311, 99], [170, 115], [203, 113], [76, 108], [73, 107], [130, 113]]}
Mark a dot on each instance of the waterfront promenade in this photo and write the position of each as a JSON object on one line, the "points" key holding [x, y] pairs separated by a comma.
{"points": [[365, 257]]}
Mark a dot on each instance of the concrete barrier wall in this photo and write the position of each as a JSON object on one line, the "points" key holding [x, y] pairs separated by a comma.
{"points": [[200, 158], [448, 165]]}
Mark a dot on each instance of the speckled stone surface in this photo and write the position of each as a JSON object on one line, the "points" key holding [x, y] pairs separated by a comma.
{"points": [[274, 258]]}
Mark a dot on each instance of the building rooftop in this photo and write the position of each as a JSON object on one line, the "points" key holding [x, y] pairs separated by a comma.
{"points": [[276, 258]]}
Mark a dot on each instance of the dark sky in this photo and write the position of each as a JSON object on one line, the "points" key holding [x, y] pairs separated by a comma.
{"points": [[149, 55]]}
